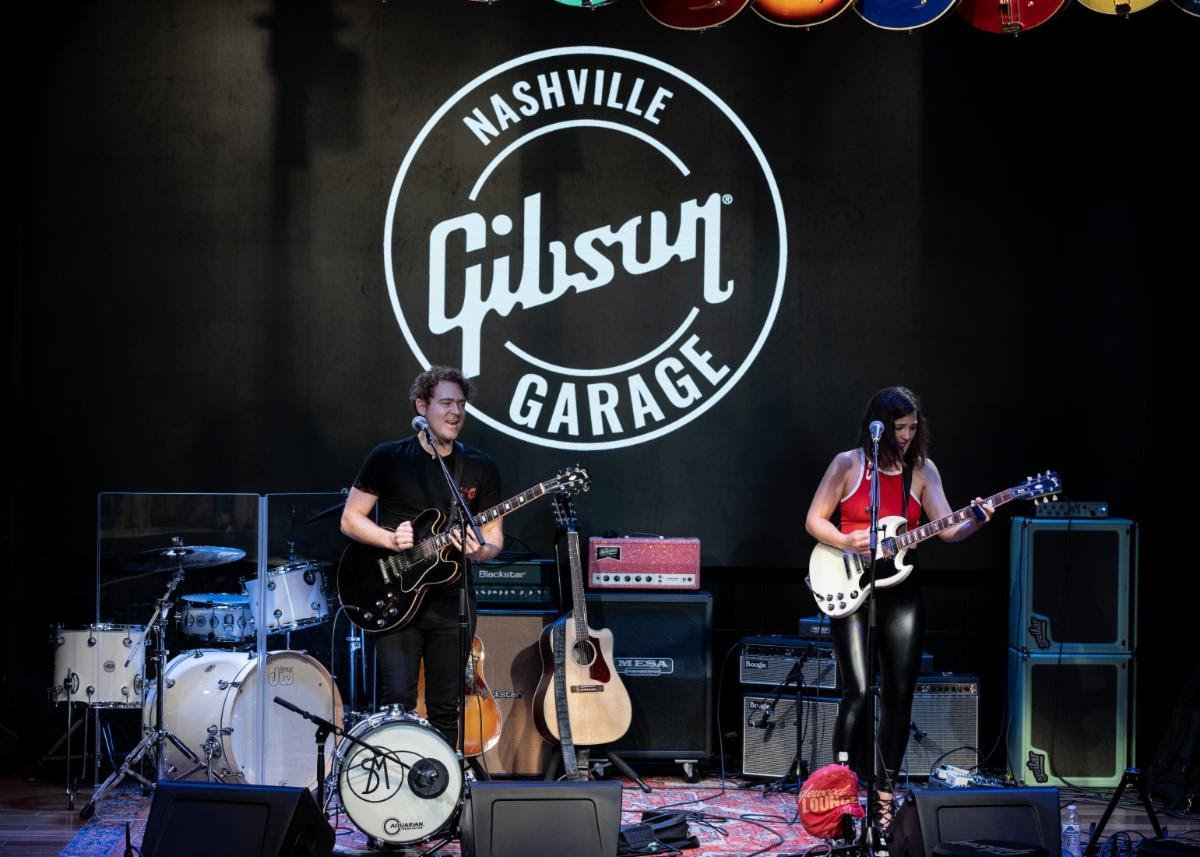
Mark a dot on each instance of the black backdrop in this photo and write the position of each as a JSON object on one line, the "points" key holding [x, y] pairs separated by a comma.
{"points": [[200, 302]]}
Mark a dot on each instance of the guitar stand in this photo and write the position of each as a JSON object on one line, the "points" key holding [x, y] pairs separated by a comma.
{"points": [[1132, 776]]}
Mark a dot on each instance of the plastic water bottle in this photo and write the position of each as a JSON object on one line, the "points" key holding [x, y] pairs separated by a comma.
{"points": [[1070, 832]]}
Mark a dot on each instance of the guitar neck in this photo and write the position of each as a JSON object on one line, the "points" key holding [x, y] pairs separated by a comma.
{"points": [[920, 534], [432, 545], [578, 599]]}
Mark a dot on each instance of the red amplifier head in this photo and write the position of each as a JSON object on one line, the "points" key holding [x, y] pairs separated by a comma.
{"points": [[644, 563]]}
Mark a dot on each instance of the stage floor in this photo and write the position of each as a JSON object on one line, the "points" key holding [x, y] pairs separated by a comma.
{"points": [[729, 820]]}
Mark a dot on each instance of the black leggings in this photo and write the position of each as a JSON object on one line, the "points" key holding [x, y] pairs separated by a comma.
{"points": [[901, 630]]}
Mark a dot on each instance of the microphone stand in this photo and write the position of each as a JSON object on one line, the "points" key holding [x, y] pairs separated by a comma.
{"points": [[872, 835], [461, 517], [324, 729]]}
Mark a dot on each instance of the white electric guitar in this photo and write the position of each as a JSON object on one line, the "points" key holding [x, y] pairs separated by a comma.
{"points": [[840, 580]]}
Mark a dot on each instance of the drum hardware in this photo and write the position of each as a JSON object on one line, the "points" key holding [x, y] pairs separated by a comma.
{"points": [[175, 559]]}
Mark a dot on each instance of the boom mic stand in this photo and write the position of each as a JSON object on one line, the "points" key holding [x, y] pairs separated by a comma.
{"points": [[873, 839]]}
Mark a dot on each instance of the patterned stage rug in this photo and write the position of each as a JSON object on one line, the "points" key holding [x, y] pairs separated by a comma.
{"points": [[728, 822]]}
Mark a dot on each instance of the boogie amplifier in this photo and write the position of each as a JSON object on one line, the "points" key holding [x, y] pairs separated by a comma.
{"points": [[775, 661], [644, 563]]}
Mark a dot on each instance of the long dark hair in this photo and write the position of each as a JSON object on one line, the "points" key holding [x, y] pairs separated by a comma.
{"points": [[888, 405]]}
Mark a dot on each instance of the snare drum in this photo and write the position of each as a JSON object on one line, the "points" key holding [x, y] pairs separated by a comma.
{"points": [[212, 696], [89, 666], [409, 788], [295, 596], [216, 617]]}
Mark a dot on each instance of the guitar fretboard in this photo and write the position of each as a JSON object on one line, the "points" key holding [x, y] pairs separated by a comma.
{"points": [[920, 534]]}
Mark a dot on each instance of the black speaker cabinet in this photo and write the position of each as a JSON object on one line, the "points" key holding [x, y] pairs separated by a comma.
{"points": [[187, 818], [662, 649], [769, 733], [931, 817], [945, 724], [1071, 585], [528, 819], [1070, 718], [512, 668]]}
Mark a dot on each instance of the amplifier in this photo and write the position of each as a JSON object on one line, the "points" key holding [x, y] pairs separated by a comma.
{"points": [[516, 585], [644, 563], [945, 724], [769, 662], [1076, 509], [815, 628], [773, 734]]}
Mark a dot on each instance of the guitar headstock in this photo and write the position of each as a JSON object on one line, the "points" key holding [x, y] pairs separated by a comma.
{"points": [[569, 481], [564, 514], [1044, 487]]}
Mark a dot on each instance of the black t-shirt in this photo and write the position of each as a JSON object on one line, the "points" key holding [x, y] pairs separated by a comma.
{"points": [[407, 480]]}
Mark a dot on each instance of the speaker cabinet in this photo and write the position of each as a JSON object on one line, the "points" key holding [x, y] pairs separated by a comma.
{"points": [[662, 649], [1071, 718], [769, 733], [193, 819], [526, 819], [512, 668], [929, 818], [1071, 585], [945, 720]]}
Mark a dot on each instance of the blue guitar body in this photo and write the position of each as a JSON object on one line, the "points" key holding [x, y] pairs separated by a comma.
{"points": [[902, 14]]}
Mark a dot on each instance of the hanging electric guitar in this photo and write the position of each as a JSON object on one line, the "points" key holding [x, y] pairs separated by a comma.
{"points": [[596, 702], [800, 13], [1121, 8], [904, 15], [381, 589], [693, 14], [1011, 17], [840, 581]]}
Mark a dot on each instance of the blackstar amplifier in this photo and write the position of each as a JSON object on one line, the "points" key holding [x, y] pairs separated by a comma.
{"points": [[772, 661], [529, 584], [643, 563]]}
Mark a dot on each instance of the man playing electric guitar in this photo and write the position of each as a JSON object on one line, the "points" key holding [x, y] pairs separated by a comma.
{"points": [[403, 479]]}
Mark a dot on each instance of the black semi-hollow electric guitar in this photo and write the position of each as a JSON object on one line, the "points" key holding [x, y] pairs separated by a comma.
{"points": [[382, 589]]}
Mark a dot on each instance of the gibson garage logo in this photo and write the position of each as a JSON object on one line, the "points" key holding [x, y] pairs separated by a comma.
{"points": [[596, 236]]}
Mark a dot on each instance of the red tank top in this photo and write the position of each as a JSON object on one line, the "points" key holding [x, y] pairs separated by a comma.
{"points": [[856, 506]]}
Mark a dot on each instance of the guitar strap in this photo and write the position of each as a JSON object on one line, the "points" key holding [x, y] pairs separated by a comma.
{"points": [[907, 489], [561, 708]]}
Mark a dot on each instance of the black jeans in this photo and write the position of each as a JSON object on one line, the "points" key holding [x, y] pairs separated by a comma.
{"points": [[431, 636], [901, 631]]}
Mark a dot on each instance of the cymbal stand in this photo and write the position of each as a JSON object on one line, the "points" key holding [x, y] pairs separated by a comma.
{"points": [[156, 737]]}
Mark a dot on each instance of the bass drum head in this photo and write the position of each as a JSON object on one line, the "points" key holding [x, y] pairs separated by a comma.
{"points": [[409, 789]]}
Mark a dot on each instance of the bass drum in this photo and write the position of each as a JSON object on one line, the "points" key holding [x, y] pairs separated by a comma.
{"points": [[211, 696], [408, 787]]}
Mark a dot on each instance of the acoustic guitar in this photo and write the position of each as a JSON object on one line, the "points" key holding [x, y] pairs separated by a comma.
{"points": [[590, 694], [482, 716]]}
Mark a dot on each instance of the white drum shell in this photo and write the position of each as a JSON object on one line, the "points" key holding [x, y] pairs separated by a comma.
{"points": [[295, 596], [89, 666], [385, 807], [218, 689], [216, 617]]}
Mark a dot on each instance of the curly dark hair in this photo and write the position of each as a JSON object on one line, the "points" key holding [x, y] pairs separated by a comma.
{"points": [[424, 384], [888, 405]]}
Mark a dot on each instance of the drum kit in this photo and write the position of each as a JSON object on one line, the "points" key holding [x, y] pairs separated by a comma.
{"points": [[398, 780]]}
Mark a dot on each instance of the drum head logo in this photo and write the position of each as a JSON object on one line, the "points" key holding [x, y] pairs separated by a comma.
{"points": [[596, 236]]}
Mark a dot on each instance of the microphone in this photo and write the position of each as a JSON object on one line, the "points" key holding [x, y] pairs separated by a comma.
{"points": [[876, 429], [279, 700], [428, 778], [419, 423], [917, 732], [766, 711]]}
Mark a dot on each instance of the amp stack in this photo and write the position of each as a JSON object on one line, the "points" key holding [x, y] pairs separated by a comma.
{"points": [[790, 692]]}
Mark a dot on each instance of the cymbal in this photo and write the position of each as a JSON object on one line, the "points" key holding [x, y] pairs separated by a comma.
{"points": [[180, 556], [297, 561]]}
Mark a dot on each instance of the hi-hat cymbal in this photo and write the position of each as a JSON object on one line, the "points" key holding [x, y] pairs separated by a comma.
{"points": [[180, 556]]}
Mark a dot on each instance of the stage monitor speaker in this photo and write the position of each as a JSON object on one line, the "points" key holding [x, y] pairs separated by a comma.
{"points": [[193, 819], [1070, 718], [1071, 585], [769, 734], [512, 668], [945, 724], [662, 649], [528, 819], [929, 818]]}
